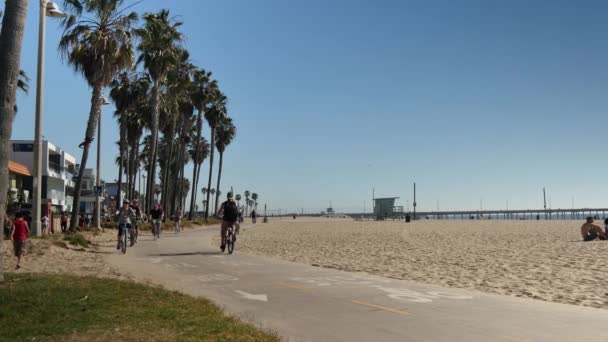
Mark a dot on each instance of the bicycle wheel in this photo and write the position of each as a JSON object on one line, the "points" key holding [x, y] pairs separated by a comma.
{"points": [[124, 241], [131, 237], [230, 241]]}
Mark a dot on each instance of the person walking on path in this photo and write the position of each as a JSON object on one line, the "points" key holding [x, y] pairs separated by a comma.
{"points": [[157, 215], [45, 224], [19, 234], [64, 223], [178, 220]]}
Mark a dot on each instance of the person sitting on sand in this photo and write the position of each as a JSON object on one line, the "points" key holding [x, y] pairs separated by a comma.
{"points": [[591, 232]]}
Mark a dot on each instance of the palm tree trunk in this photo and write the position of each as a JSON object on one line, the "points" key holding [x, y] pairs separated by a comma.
{"points": [[181, 188], [193, 192], [198, 176], [167, 167], [175, 178], [135, 165], [153, 141], [11, 40], [123, 154], [212, 147], [88, 138], [219, 177]]}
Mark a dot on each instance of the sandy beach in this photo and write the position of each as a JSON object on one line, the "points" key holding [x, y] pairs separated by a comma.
{"points": [[543, 260]]}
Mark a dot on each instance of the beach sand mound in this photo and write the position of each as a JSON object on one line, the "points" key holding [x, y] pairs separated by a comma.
{"points": [[543, 260], [53, 255]]}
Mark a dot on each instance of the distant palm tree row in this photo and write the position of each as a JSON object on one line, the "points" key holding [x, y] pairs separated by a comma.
{"points": [[162, 100]]}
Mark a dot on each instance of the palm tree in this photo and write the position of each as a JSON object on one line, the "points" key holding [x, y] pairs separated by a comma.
{"points": [[124, 94], [247, 194], [200, 96], [11, 40], [176, 100], [203, 153], [97, 43], [159, 48], [225, 133], [254, 199], [213, 116]]}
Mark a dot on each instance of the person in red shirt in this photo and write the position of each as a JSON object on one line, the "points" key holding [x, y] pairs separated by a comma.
{"points": [[19, 235]]}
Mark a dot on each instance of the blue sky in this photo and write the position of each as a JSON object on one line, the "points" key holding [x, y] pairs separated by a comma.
{"points": [[473, 100]]}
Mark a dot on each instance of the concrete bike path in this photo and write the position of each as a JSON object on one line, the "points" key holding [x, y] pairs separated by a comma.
{"points": [[306, 303]]}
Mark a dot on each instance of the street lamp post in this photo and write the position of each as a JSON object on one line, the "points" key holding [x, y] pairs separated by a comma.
{"points": [[50, 9], [98, 180]]}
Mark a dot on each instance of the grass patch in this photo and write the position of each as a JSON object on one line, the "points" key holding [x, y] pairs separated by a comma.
{"points": [[70, 308], [76, 240]]}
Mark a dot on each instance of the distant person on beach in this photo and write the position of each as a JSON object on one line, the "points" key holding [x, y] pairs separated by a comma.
{"points": [[591, 232], [19, 233], [253, 216], [606, 227]]}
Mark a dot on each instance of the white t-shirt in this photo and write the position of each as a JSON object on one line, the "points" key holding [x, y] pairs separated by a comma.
{"points": [[45, 221]]}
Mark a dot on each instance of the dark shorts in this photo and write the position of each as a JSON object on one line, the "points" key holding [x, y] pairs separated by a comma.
{"points": [[19, 247], [591, 236]]}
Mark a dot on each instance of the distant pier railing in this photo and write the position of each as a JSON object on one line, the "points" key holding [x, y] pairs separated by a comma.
{"points": [[524, 214]]}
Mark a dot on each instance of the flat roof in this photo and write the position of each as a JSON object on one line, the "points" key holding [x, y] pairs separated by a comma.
{"points": [[385, 198]]}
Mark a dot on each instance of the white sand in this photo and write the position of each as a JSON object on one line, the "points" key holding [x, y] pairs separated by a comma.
{"points": [[537, 259]]}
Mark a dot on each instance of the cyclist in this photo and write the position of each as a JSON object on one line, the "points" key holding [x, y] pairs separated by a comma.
{"points": [[229, 212], [178, 220], [157, 216], [124, 220], [135, 207]]}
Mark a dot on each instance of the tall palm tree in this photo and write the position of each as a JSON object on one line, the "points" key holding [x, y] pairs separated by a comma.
{"points": [[159, 51], [200, 96], [97, 43], [225, 134], [11, 40], [176, 98], [198, 157], [213, 116], [254, 198], [247, 193], [123, 94]]}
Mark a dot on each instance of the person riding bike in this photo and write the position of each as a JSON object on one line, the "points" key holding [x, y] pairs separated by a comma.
{"points": [[125, 213], [229, 212], [135, 207], [157, 216]]}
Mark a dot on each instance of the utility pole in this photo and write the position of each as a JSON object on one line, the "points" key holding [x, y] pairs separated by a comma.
{"points": [[373, 201], [545, 202], [414, 201]]}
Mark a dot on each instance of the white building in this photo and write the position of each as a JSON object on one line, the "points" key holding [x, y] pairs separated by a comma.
{"points": [[58, 170]]}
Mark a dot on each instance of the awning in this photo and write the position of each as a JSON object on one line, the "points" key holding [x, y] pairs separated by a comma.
{"points": [[18, 168]]}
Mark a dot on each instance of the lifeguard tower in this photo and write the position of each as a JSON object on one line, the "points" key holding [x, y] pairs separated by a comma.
{"points": [[385, 208]]}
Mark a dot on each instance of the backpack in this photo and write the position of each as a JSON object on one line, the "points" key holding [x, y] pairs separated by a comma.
{"points": [[231, 212]]}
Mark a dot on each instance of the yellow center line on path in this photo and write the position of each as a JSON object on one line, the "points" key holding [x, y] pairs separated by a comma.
{"points": [[295, 286], [380, 307]]}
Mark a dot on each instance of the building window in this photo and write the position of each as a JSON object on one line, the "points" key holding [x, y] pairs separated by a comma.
{"points": [[23, 147]]}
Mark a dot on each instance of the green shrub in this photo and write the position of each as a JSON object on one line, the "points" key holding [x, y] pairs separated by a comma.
{"points": [[76, 240]]}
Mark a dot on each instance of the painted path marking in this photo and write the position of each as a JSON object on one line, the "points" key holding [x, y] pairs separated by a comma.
{"points": [[397, 293], [216, 277], [380, 307], [294, 286], [246, 295]]}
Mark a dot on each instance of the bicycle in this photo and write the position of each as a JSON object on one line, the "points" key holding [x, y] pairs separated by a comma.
{"points": [[230, 239], [124, 231]]}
